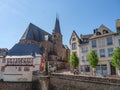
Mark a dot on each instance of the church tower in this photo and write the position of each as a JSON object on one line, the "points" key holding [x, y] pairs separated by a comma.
{"points": [[57, 37]]}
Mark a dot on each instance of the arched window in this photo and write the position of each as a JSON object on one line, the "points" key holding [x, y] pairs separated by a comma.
{"points": [[98, 33], [105, 31]]}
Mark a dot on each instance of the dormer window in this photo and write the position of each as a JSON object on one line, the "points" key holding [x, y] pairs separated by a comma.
{"points": [[85, 40], [105, 31], [98, 33]]}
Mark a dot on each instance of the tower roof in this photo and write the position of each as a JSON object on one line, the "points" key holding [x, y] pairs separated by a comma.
{"points": [[57, 26]]}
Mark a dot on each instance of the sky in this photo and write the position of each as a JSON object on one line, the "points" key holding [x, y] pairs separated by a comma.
{"points": [[80, 15]]}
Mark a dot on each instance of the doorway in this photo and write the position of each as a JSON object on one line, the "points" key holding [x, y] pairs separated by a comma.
{"points": [[113, 69]]}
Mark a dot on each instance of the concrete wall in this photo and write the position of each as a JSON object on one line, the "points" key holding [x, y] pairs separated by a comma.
{"points": [[70, 82]]}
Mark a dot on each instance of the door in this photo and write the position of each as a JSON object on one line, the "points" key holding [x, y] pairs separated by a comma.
{"points": [[113, 70]]}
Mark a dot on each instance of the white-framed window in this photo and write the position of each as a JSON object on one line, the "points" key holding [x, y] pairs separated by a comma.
{"points": [[84, 49], [109, 41], [110, 51], [94, 44], [102, 52], [74, 46]]}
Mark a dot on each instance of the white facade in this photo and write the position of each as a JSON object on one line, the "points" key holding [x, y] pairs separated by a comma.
{"points": [[84, 65], [20, 68], [103, 41]]}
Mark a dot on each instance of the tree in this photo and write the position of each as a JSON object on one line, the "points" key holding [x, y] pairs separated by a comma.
{"points": [[116, 59], [93, 60], [74, 60]]}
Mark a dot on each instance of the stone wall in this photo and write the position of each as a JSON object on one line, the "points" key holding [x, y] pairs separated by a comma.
{"points": [[15, 86], [71, 82]]}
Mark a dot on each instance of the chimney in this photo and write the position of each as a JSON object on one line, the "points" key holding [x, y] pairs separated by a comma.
{"points": [[95, 30], [118, 25]]}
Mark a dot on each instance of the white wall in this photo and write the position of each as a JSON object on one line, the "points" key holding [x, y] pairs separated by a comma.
{"points": [[36, 62], [12, 74]]}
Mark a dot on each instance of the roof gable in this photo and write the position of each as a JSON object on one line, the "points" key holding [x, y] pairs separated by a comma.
{"points": [[34, 33], [74, 34], [102, 28], [101, 31]]}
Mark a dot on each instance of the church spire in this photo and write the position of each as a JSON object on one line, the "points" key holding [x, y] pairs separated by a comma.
{"points": [[57, 26]]}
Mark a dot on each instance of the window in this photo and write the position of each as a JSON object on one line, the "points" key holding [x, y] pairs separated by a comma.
{"points": [[19, 69], [102, 53], [82, 68], [110, 51], [73, 39], [94, 43], [74, 46], [83, 58], [101, 69], [105, 31], [84, 49], [98, 33], [109, 41], [26, 69], [101, 42], [87, 68], [85, 40]]}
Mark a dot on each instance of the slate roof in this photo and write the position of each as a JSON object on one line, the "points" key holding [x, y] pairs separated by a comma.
{"points": [[57, 26], [86, 36], [35, 33], [66, 47], [24, 49]]}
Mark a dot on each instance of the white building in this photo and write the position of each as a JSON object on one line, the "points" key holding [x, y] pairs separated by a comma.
{"points": [[103, 41], [21, 61], [3, 52]]}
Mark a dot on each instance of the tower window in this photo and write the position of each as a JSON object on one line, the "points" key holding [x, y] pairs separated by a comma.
{"points": [[55, 37]]}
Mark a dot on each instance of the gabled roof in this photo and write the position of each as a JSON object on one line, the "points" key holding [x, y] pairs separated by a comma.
{"points": [[34, 33], [75, 35], [24, 49], [57, 26], [102, 31], [103, 27]]}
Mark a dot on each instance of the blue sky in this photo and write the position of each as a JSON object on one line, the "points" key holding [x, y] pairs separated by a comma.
{"points": [[80, 15]]}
